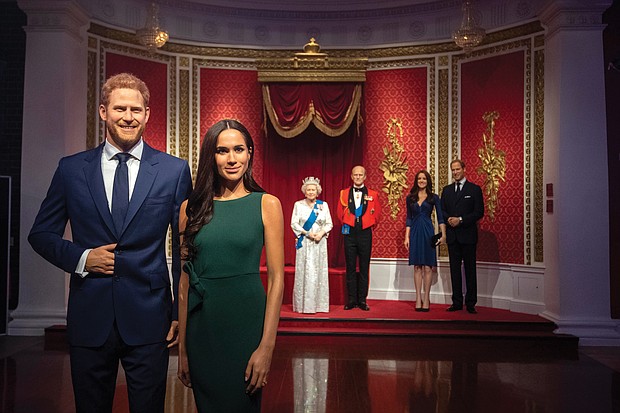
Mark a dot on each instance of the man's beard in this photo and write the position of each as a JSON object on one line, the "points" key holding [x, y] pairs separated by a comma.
{"points": [[124, 139]]}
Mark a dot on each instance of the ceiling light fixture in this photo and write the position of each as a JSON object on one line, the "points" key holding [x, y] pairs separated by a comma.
{"points": [[469, 35], [151, 35]]}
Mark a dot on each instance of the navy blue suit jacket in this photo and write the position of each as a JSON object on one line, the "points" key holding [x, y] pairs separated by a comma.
{"points": [[138, 296], [468, 204]]}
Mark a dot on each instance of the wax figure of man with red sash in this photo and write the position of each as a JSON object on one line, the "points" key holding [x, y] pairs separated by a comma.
{"points": [[359, 212]]}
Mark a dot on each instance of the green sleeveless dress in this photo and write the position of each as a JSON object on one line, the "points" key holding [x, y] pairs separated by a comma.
{"points": [[226, 305]]}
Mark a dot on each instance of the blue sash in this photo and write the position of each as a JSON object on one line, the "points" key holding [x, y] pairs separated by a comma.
{"points": [[309, 222], [346, 228]]}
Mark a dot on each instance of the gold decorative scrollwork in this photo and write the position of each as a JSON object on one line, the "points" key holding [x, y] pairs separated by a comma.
{"points": [[311, 65], [493, 163], [394, 166]]}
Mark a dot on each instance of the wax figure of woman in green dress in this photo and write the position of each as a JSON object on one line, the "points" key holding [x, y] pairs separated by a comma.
{"points": [[227, 323], [418, 232]]}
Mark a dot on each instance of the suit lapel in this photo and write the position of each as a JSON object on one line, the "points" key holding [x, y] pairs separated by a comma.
{"points": [[94, 180], [146, 177], [351, 200], [364, 199]]}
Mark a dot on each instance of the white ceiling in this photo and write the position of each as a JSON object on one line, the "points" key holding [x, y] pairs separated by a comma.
{"points": [[318, 5], [289, 24]]}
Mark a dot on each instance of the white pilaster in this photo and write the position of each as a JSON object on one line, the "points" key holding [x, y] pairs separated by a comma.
{"points": [[54, 126], [577, 292]]}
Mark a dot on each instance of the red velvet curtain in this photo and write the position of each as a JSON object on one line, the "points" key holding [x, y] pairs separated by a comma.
{"points": [[331, 107], [288, 161]]}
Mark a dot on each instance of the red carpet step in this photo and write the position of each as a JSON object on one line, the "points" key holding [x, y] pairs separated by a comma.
{"points": [[399, 319]]}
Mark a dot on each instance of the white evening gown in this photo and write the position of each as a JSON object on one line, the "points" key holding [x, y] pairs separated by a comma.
{"points": [[311, 288]]}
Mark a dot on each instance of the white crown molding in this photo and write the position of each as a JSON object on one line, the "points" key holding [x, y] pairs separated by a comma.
{"points": [[573, 15], [55, 16]]}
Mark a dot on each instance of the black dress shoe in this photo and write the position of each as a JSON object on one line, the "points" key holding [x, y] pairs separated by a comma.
{"points": [[350, 306], [472, 310], [454, 308], [363, 306]]}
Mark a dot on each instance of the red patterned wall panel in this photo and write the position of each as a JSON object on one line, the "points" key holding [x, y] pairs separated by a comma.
{"points": [[497, 84], [155, 75], [233, 94], [400, 93]]}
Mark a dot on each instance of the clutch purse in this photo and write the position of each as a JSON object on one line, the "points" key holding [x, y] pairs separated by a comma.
{"points": [[435, 239]]}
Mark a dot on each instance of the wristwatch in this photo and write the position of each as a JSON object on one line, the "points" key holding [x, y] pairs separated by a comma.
{"points": [[460, 220]]}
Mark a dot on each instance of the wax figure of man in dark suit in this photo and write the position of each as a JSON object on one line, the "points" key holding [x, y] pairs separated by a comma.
{"points": [[463, 205], [359, 212], [120, 302]]}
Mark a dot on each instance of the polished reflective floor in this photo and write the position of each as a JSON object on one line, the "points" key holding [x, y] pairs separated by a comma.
{"points": [[362, 374]]}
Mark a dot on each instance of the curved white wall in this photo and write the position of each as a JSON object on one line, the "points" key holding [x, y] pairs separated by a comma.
{"points": [[572, 288]]}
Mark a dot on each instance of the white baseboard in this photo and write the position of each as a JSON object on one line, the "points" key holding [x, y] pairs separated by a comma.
{"points": [[506, 286], [34, 323]]}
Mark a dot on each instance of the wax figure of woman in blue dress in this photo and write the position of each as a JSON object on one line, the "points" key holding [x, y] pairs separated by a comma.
{"points": [[422, 254], [227, 324]]}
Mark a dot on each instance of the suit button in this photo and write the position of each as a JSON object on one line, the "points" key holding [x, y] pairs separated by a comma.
{"points": [[117, 278]]}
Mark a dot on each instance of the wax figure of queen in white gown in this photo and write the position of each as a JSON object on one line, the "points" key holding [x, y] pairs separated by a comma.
{"points": [[311, 223]]}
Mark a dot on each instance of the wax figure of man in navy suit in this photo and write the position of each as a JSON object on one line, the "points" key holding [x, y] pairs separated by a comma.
{"points": [[462, 206], [359, 212], [120, 208]]}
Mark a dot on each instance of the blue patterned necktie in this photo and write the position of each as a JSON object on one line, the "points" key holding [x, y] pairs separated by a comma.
{"points": [[120, 192], [458, 187]]}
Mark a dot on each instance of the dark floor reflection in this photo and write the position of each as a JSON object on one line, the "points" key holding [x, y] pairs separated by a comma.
{"points": [[362, 374], [310, 376], [402, 375]]}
